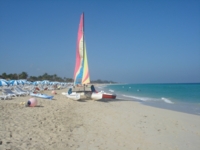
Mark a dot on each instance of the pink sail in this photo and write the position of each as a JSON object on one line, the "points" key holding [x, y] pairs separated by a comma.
{"points": [[81, 72]]}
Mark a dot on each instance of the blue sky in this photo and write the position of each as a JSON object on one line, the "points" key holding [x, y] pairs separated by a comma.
{"points": [[134, 41]]}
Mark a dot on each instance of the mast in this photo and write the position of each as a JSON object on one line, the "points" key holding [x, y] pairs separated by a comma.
{"points": [[83, 40]]}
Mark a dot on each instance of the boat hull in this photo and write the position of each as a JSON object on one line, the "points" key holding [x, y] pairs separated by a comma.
{"points": [[96, 96], [102, 95], [74, 96], [108, 96]]}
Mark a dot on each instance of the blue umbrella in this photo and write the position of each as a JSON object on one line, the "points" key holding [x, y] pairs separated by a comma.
{"points": [[36, 82], [46, 82], [21, 81], [14, 82], [28, 82], [54, 82], [3, 82]]}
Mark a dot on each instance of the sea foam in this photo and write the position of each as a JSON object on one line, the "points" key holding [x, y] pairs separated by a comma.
{"points": [[138, 98], [149, 99], [167, 100], [111, 90]]}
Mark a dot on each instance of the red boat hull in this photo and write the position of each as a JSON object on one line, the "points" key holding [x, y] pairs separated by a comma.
{"points": [[108, 96]]}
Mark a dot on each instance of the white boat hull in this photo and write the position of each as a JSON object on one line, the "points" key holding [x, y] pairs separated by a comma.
{"points": [[63, 93], [96, 96], [74, 96]]}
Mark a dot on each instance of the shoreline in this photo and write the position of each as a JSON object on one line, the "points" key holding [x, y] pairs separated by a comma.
{"points": [[185, 107], [62, 124]]}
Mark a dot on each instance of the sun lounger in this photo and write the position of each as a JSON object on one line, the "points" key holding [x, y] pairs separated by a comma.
{"points": [[11, 93], [19, 92], [41, 95], [4, 97], [18, 89]]}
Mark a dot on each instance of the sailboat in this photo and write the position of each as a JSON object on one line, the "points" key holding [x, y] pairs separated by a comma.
{"points": [[81, 72], [101, 95]]}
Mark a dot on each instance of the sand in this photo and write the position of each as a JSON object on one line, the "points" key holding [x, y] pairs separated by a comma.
{"points": [[65, 124]]}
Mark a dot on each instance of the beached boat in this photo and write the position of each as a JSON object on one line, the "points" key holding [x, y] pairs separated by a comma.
{"points": [[81, 72], [72, 95], [41, 95], [101, 95], [96, 96], [108, 95]]}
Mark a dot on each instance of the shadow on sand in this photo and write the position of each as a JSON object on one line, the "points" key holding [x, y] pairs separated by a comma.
{"points": [[114, 100], [106, 100]]}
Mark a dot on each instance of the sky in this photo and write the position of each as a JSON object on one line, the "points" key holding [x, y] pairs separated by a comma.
{"points": [[128, 41]]}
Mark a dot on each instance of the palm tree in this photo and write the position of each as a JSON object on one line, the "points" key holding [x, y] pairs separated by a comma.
{"points": [[23, 75], [4, 75]]}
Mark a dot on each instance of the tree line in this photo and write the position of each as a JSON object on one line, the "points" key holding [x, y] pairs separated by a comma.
{"points": [[45, 76]]}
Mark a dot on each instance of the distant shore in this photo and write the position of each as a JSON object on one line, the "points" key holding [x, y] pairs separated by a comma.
{"points": [[63, 124]]}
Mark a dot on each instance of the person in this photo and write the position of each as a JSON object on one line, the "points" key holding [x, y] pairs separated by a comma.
{"points": [[70, 91], [93, 89]]}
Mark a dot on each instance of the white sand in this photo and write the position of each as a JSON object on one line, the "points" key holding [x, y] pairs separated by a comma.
{"points": [[65, 124]]}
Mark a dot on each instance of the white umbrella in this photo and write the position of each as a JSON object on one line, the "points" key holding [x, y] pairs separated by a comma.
{"points": [[4, 82], [46, 82], [14, 82], [21, 81], [36, 82], [55, 82], [28, 82]]}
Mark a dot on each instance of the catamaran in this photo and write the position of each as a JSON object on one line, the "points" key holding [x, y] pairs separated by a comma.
{"points": [[81, 72]]}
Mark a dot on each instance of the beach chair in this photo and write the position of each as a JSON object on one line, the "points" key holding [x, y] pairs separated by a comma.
{"points": [[4, 97], [11, 93], [18, 89], [30, 89], [51, 88]]}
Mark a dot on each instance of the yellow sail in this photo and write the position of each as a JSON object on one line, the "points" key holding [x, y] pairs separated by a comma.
{"points": [[86, 76]]}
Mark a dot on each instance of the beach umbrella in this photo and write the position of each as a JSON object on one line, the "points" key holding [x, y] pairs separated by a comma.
{"points": [[28, 82], [51, 83], [45, 82], [36, 82], [14, 82], [21, 81], [56, 82], [4, 82]]}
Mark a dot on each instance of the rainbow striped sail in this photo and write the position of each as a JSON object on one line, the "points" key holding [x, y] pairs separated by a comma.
{"points": [[81, 72]]}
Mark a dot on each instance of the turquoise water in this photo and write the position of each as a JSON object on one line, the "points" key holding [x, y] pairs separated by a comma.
{"points": [[177, 96]]}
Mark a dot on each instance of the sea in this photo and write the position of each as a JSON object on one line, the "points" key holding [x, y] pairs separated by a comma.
{"points": [[182, 97]]}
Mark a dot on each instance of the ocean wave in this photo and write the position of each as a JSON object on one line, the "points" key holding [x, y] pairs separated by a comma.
{"points": [[167, 100], [144, 99], [138, 98], [102, 86], [111, 90]]}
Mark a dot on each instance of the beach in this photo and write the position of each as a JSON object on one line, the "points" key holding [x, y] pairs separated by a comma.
{"points": [[117, 124]]}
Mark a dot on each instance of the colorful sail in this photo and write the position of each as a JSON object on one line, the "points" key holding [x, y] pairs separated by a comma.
{"points": [[86, 76], [81, 72]]}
